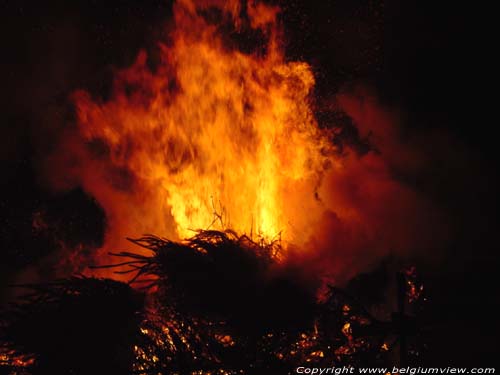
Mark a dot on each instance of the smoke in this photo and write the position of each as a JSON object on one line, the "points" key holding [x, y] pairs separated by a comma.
{"points": [[374, 207]]}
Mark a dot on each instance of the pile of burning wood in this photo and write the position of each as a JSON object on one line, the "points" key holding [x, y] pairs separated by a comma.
{"points": [[215, 304]]}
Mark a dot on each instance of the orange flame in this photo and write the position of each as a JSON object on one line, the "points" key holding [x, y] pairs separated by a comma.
{"points": [[218, 137], [212, 138]]}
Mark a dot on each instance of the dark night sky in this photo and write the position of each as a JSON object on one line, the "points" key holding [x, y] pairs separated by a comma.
{"points": [[429, 60]]}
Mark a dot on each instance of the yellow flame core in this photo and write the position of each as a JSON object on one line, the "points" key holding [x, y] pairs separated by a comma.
{"points": [[211, 133]]}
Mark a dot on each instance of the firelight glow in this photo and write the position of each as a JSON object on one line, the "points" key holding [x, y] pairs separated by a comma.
{"points": [[213, 138]]}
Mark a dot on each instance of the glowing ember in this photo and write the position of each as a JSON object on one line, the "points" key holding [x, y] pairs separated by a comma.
{"points": [[15, 360], [414, 287]]}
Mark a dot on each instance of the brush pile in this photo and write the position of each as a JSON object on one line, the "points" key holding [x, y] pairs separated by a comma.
{"points": [[217, 303]]}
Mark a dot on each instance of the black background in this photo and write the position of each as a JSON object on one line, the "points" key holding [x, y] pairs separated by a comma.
{"points": [[432, 60]]}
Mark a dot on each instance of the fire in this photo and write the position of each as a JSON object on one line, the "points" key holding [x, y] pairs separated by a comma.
{"points": [[218, 132], [211, 138]]}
